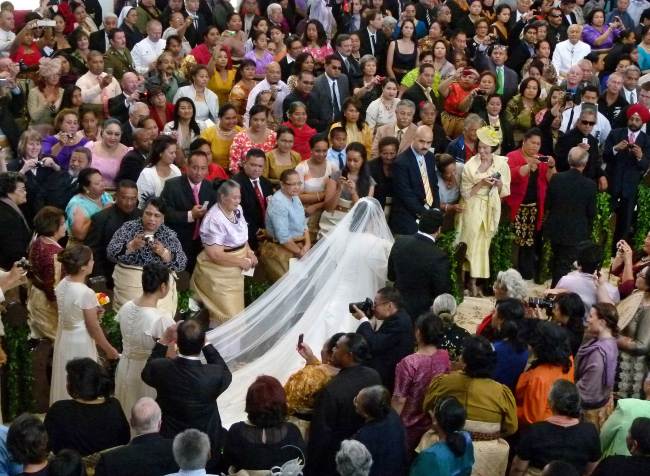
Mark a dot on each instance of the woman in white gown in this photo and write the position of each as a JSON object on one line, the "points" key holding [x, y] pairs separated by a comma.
{"points": [[141, 322], [347, 266], [78, 333]]}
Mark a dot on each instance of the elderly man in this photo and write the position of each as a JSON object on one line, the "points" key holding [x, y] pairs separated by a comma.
{"points": [[146, 52], [415, 184], [351, 67], [621, 12], [99, 40], [612, 103], [403, 128], [137, 112], [118, 55], [627, 157], [465, 146], [570, 208], [589, 96], [191, 450], [118, 107], [570, 51], [97, 87], [273, 83], [147, 452]]}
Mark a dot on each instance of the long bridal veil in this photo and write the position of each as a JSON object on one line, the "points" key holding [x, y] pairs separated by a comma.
{"points": [[348, 265]]}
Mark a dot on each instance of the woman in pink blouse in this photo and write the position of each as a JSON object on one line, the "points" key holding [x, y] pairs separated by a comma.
{"points": [[258, 135], [315, 42], [107, 152], [413, 375]]}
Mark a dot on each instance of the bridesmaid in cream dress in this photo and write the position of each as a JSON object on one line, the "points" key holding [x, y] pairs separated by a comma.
{"points": [[78, 332], [141, 323]]}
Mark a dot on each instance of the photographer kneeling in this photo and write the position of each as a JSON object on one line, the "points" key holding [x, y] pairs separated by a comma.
{"points": [[393, 340]]}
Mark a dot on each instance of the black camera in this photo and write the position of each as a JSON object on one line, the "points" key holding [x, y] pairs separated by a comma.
{"points": [[24, 263], [543, 158], [364, 306], [542, 303]]}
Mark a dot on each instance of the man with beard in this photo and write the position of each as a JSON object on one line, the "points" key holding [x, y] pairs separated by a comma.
{"points": [[626, 156], [105, 223]]}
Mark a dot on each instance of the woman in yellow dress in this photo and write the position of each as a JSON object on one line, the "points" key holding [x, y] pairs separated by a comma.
{"points": [[220, 135], [354, 122], [244, 83], [281, 158], [485, 181], [222, 78]]}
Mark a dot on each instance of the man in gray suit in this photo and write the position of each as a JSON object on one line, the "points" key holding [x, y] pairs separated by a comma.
{"points": [[403, 128], [507, 79], [331, 89]]}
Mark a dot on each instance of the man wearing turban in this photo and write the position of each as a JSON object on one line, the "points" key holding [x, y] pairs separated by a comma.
{"points": [[626, 155]]}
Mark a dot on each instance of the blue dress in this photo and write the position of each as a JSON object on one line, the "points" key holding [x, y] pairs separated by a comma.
{"points": [[510, 363], [644, 58], [438, 460]]}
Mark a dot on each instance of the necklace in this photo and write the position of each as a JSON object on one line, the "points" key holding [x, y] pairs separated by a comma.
{"points": [[234, 219], [388, 108]]}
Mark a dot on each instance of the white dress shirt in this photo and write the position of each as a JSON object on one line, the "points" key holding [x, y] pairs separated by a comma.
{"points": [[282, 91], [631, 95], [145, 52], [91, 91], [567, 54], [6, 39]]}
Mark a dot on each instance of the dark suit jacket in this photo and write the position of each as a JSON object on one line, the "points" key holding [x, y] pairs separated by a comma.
{"points": [[624, 171], [132, 164], [570, 208], [352, 69], [323, 99], [127, 134], [98, 41], [15, 236], [192, 35], [380, 48], [408, 191], [58, 189], [252, 210], [416, 94], [187, 391], [177, 195], [510, 80], [286, 68], [117, 108], [11, 106], [391, 343], [311, 104], [567, 142], [334, 418], [145, 455], [420, 271]]}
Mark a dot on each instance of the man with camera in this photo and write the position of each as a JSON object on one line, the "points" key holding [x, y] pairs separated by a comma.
{"points": [[393, 340]]}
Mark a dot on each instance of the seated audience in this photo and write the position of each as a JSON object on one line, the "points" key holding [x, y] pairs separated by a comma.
{"points": [[28, 444], [638, 443], [353, 459], [191, 450], [66, 138], [512, 352], [569, 312], [453, 336]]}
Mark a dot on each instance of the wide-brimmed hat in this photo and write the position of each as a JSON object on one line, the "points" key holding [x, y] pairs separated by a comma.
{"points": [[489, 136]]}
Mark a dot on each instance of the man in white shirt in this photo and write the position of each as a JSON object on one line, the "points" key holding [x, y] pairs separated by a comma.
{"points": [[272, 83], [96, 86], [601, 129], [7, 27], [147, 51], [569, 52]]}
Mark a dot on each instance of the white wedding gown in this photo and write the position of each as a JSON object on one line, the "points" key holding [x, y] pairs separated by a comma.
{"points": [[348, 265]]}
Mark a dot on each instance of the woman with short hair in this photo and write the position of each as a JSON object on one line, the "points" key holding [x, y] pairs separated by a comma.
{"points": [[91, 198]]}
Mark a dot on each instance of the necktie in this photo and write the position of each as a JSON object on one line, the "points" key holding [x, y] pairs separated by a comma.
{"points": [[260, 196], [336, 107], [400, 134], [630, 138], [341, 164], [428, 17], [633, 97], [500, 80], [373, 43], [425, 181], [197, 201]]}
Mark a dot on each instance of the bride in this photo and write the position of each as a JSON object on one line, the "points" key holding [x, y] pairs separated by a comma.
{"points": [[312, 299]]}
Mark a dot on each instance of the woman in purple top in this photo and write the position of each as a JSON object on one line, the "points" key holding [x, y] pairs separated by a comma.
{"points": [[596, 363], [259, 54], [66, 139], [598, 35], [413, 375]]}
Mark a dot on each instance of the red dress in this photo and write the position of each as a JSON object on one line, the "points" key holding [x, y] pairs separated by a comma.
{"points": [[29, 59], [302, 136]]}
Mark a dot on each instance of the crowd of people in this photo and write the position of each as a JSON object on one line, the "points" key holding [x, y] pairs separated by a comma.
{"points": [[192, 138]]}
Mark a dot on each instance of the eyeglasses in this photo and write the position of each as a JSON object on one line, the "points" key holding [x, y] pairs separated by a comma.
{"points": [[335, 67], [293, 184], [588, 123], [555, 16], [377, 304]]}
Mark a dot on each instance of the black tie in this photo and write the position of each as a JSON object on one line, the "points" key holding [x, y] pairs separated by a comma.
{"points": [[336, 109], [341, 161], [373, 43]]}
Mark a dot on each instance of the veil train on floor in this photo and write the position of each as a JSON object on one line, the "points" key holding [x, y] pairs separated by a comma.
{"points": [[348, 265]]}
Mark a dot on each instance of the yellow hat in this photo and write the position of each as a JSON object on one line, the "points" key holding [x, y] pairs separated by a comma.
{"points": [[489, 136]]}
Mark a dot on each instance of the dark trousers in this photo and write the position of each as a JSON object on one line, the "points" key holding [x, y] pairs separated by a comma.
{"points": [[624, 209], [562, 262]]}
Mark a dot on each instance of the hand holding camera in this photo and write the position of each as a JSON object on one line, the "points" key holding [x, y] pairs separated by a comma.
{"points": [[361, 309]]}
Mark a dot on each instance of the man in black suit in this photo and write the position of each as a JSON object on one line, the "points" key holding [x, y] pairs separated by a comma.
{"points": [[373, 40], [188, 199], [61, 186], [15, 233], [135, 159], [187, 389], [99, 39], [294, 48], [418, 267], [137, 112], [118, 106], [415, 184], [148, 453], [254, 192], [420, 92], [331, 89], [507, 79], [194, 33], [334, 418], [351, 67], [105, 223], [570, 210], [522, 49], [626, 155], [393, 340], [303, 93]]}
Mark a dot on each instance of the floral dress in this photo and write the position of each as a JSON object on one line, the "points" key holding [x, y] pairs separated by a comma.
{"points": [[242, 143]]}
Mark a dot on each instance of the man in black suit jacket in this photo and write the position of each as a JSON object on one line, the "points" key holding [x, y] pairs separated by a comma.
{"points": [[184, 211], [351, 67], [194, 33], [420, 92], [334, 418], [118, 106], [15, 233], [303, 93], [136, 159], [570, 210], [496, 62], [394, 340], [147, 454], [137, 112], [627, 161], [412, 196], [419, 269], [253, 203], [521, 49], [329, 106], [98, 39], [294, 48], [373, 40], [187, 389]]}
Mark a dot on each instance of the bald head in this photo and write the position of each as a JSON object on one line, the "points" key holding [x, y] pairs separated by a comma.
{"points": [[145, 416], [273, 72], [422, 140], [578, 158]]}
